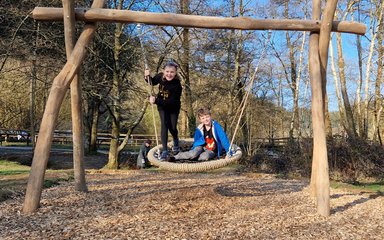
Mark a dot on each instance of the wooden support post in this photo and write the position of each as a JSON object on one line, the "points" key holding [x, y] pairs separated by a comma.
{"points": [[317, 97], [322, 178], [319, 176], [59, 88], [77, 116]]}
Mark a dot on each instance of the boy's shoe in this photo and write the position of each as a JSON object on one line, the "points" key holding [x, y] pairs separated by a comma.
{"points": [[164, 156], [175, 150]]}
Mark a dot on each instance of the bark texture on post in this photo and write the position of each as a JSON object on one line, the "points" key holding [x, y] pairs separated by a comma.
{"points": [[59, 88], [77, 116]]}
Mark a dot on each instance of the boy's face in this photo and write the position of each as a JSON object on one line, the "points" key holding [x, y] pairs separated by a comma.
{"points": [[169, 73], [205, 119]]}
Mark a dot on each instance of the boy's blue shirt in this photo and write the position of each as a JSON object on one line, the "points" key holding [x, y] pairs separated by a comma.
{"points": [[218, 134]]}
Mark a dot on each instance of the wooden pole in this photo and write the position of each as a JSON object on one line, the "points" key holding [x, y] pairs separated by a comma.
{"points": [[77, 116], [59, 88], [322, 179], [317, 97], [193, 21]]}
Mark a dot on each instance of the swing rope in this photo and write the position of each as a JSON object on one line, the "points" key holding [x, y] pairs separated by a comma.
{"points": [[243, 103], [150, 89]]}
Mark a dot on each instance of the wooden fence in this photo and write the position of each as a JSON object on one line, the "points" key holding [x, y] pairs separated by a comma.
{"points": [[65, 137], [11, 135], [270, 142]]}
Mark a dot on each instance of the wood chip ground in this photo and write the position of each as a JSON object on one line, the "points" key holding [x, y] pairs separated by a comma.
{"points": [[161, 205]]}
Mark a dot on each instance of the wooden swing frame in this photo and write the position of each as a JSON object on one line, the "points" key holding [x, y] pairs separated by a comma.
{"points": [[318, 55]]}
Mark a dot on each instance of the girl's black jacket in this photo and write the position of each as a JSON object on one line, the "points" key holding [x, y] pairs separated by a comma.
{"points": [[168, 97]]}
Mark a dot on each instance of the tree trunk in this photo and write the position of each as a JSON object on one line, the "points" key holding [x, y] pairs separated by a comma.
{"points": [[378, 97], [33, 85], [296, 96], [191, 119], [113, 156], [336, 80], [350, 127], [293, 130], [228, 74], [183, 126], [115, 109], [95, 105], [237, 77], [133, 126], [368, 68], [375, 34], [359, 86]]}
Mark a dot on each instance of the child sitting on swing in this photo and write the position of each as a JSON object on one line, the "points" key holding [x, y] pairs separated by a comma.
{"points": [[142, 159], [210, 140], [168, 104]]}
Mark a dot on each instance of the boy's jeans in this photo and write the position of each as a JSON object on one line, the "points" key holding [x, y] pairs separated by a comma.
{"points": [[202, 153]]}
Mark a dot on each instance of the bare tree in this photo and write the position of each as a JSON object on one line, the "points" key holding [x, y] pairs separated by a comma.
{"points": [[122, 58], [351, 128], [185, 62], [377, 11], [379, 78]]}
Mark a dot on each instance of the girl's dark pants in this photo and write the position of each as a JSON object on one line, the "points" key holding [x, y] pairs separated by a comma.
{"points": [[168, 121]]}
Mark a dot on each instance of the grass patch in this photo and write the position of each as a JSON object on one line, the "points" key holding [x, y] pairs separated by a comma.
{"points": [[15, 144], [363, 187], [62, 146], [51, 182], [14, 179], [12, 168]]}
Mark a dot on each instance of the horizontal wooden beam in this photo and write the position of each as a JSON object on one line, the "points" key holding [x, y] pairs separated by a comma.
{"points": [[194, 21]]}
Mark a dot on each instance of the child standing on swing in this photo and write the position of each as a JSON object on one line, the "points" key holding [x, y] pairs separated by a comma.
{"points": [[168, 104]]}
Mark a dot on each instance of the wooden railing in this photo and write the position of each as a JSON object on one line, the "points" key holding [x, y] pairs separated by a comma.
{"points": [[133, 140], [12, 135], [65, 137]]}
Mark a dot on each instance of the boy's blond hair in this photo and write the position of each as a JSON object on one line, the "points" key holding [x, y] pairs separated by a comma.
{"points": [[203, 111]]}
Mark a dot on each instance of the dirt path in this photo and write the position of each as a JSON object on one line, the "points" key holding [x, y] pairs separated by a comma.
{"points": [[161, 205]]}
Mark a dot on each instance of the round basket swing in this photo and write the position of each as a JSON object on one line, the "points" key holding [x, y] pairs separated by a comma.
{"points": [[195, 166]]}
